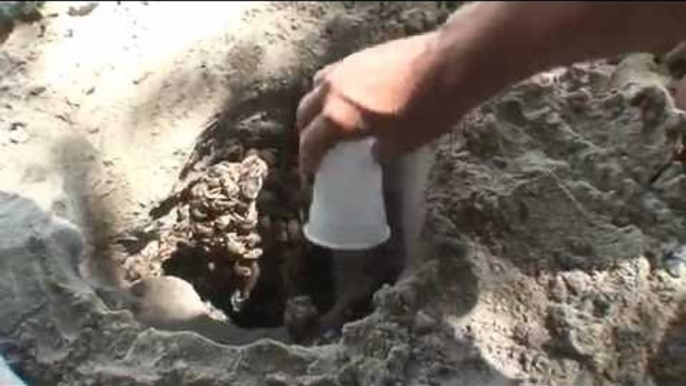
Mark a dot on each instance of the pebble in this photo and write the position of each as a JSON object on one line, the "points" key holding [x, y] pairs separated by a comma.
{"points": [[82, 10], [250, 187], [37, 90], [18, 132], [674, 261]]}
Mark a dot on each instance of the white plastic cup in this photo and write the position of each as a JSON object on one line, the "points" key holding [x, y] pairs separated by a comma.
{"points": [[348, 210]]}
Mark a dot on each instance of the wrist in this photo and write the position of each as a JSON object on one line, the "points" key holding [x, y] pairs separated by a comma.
{"points": [[475, 57]]}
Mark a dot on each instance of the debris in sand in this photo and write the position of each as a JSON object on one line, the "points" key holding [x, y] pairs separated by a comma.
{"points": [[674, 261], [18, 132], [83, 10]]}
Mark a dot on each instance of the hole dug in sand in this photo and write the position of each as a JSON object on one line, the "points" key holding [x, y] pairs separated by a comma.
{"points": [[233, 231]]}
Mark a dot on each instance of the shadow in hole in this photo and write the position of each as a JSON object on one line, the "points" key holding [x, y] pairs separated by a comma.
{"points": [[268, 300], [667, 366]]}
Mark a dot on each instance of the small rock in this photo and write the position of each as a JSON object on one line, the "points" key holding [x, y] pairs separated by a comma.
{"points": [[18, 132], [558, 290], [577, 282], [674, 267], [37, 90], [674, 261], [83, 10], [141, 78]]}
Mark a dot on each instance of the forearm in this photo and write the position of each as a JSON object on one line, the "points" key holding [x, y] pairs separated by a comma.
{"points": [[561, 33], [491, 45]]}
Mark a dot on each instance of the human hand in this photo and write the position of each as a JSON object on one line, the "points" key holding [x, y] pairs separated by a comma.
{"points": [[391, 91]]}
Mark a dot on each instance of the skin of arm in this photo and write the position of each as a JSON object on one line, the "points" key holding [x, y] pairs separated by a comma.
{"points": [[528, 37], [409, 91]]}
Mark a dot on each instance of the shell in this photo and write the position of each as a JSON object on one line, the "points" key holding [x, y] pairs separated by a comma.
{"points": [[233, 244], [251, 218], [213, 184], [224, 221], [252, 240], [198, 213], [241, 271], [253, 254], [202, 230], [219, 215], [250, 187]]}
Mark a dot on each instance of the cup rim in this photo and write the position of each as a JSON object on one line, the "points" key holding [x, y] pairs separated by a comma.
{"points": [[345, 246]]}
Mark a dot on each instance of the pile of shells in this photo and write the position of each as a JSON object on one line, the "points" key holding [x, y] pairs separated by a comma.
{"points": [[221, 211], [215, 218], [220, 219], [232, 224]]}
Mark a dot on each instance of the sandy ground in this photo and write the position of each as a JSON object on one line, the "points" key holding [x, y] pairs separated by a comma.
{"points": [[104, 108], [107, 105], [546, 263]]}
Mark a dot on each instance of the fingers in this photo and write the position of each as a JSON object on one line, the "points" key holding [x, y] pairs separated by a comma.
{"points": [[320, 136], [310, 105], [321, 74]]}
